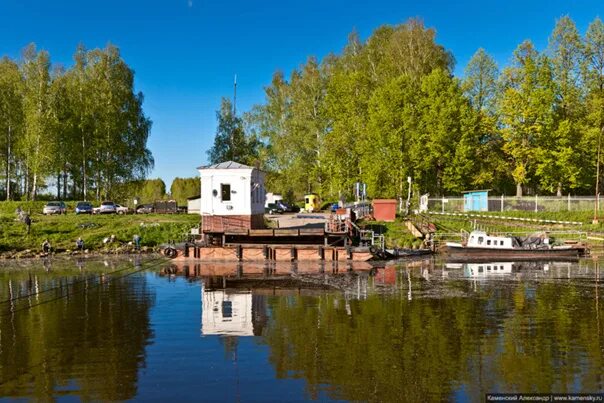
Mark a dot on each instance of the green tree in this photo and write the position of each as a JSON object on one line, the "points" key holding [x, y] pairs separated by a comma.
{"points": [[231, 142], [38, 142], [480, 85], [11, 117], [183, 188], [152, 190], [527, 111], [594, 83], [560, 163]]}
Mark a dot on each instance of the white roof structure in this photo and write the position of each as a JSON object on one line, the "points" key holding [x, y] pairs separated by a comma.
{"points": [[226, 165]]}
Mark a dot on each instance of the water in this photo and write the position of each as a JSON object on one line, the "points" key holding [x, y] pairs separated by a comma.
{"points": [[419, 331]]}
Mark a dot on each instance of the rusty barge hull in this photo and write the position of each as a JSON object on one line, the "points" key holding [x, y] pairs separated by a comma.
{"points": [[276, 253]]}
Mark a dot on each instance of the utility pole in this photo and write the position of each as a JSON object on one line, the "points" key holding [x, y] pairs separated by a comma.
{"points": [[233, 120]]}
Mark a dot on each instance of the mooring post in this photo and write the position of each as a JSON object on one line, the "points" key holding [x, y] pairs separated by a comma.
{"points": [[239, 252]]}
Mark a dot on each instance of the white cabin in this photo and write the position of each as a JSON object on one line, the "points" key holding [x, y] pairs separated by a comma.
{"points": [[480, 239], [232, 197]]}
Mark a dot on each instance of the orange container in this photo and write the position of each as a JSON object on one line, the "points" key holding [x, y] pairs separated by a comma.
{"points": [[384, 209]]}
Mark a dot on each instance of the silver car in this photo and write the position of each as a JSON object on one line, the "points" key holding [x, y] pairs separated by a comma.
{"points": [[54, 207], [108, 207]]}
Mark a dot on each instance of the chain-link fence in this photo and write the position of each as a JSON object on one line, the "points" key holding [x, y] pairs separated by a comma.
{"points": [[528, 203]]}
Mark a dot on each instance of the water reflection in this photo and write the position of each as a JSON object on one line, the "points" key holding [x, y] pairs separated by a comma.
{"points": [[410, 331], [72, 328], [452, 340]]}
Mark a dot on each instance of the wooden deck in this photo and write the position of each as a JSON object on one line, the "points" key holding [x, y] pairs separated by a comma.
{"points": [[277, 232]]}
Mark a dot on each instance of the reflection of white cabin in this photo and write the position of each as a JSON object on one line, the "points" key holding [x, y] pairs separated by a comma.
{"points": [[487, 269], [224, 313], [232, 197]]}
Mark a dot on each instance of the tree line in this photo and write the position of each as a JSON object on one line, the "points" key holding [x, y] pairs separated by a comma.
{"points": [[389, 107], [82, 128]]}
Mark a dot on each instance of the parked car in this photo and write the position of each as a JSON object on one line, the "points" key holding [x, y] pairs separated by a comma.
{"points": [[54, 207], [83, 208], [121, 209], [144, 209], [273, 208], [288, 208], [107, 207]]}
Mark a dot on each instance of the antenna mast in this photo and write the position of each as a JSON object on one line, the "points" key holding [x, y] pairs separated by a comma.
{"points": [[235, 96]]}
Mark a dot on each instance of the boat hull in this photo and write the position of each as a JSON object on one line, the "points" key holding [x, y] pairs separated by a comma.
{"points": [[513, 254], [276, 253]]}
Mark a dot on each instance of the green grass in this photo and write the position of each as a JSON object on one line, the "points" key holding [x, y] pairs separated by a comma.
{"points": [[63, 230]]}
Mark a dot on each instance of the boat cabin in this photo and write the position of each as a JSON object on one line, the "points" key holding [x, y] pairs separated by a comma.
{"points": [[480, 239]]}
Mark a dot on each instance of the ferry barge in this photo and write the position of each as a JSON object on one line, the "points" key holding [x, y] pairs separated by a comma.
{"points": [[233, 229]]}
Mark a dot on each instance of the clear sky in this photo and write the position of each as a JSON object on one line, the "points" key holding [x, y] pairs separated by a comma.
{"points": [[186, 52]]}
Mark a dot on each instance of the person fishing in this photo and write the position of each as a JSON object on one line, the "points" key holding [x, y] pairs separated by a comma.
{"points": [[80, 244]]}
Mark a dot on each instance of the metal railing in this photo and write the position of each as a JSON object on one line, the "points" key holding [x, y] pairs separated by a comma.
{"points": [[525, 203]]}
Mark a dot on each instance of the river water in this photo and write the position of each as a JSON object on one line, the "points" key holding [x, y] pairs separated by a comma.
{"points": [[425, 330]]}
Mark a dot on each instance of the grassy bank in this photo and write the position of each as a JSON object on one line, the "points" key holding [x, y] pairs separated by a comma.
{"points": [[63, 230]]}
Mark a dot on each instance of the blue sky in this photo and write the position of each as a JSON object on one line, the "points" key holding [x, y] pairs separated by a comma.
{"points": [[186, 52]]}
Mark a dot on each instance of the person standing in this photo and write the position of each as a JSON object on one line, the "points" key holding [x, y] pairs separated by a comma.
{"points": [[46, 246], [137, 241], [80, 244], [27, 222]]}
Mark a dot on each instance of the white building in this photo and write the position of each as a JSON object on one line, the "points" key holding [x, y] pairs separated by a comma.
{"points": [[194, 205], [232, 197]]}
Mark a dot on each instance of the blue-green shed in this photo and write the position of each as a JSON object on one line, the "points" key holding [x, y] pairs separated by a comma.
{"points": [[476, 200]]}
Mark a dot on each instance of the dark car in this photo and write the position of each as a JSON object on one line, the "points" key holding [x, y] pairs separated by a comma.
{"points": [[273, 208], [287, 208], [83, 208], [144, 209]]}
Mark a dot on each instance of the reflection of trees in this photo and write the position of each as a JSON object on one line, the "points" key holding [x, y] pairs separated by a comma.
{"points": [[507, 337], [387, 349], [92, 340], [550, 340]]}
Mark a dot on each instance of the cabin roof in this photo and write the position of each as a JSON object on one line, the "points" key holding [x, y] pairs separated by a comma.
{"points": [[226, 165], [476, 191]]}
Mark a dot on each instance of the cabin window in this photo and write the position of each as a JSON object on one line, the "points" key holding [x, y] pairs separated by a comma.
{"points": [[488, 267], [225, 191], [480, 240], [489, 241], [227, 309], [480, 269], [306, 200]]}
